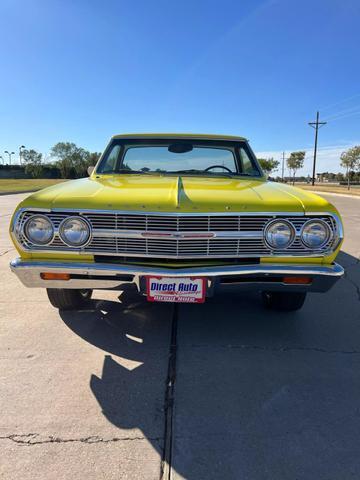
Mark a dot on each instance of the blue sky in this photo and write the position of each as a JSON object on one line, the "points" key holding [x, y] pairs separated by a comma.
{"points": [[83, 70]]}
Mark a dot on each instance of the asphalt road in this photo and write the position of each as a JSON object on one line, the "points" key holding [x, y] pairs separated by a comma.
{"points": [[258, 395]]}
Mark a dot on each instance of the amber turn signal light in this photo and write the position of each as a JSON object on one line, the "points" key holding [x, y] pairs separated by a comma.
{"points": [[54, 276], [297, 280]]}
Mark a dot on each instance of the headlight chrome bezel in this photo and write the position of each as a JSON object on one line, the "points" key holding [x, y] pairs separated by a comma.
{"points": [[28, 237], [291, 228], [63, 237], [329, 233]]}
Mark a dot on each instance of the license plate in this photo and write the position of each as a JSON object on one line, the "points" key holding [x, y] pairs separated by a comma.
{"points": [[181, 290]]}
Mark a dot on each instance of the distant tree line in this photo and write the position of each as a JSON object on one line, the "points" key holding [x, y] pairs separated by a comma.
{"points": [[294, 163], [69, 161], [350, 160], [339, 177]]}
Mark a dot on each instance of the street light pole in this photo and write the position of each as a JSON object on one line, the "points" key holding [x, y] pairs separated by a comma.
{"points": [[20, 152], [9, 153]]}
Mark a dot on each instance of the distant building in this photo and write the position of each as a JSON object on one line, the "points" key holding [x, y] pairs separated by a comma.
{"points": [[326, 177]]}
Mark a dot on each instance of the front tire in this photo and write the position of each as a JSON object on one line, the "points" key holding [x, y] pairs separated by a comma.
{"points": [[284, 301], [68, 299]]}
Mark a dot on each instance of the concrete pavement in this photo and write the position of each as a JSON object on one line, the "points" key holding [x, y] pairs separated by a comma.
{"points": [[264, 395], [82, 394], [258, 395]]}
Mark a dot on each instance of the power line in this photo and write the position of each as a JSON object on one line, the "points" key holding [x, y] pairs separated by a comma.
{"points": [[347, 111], [341, 117], [344, 100], [316, 125]]}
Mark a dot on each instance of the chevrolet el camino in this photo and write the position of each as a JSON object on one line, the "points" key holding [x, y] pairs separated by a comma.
{"points": [[180, 217]]}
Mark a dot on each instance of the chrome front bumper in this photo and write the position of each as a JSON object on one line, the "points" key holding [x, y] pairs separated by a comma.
{"points": [[112, 276]]}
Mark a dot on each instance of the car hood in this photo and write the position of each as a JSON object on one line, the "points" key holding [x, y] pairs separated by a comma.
{"points": [[176, 194]]}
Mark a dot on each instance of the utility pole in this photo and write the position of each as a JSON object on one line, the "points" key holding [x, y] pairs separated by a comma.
{"points": [[316, 125], [283, 166]]}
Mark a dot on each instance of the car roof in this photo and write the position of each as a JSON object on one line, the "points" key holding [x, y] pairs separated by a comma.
{"points": [[183, 136]]}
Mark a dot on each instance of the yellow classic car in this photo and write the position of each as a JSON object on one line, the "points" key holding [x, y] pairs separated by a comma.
{"points": [[179, 216]]}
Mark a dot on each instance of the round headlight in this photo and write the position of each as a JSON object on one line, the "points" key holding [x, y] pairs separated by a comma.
{"points": [[279, 234], [315, 233], [39, 230], [74, 231]]}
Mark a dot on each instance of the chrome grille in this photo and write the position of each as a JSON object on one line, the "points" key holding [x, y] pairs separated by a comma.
{"points": [[121, 234], [187, 248], [173, 223]]}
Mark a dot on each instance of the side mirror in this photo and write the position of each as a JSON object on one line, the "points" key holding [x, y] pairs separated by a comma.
{"points": [[90, 170]]}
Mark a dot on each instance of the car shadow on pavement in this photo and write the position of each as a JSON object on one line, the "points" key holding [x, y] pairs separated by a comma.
{"points": [[273, 394], [135, 335], [251, 384]]}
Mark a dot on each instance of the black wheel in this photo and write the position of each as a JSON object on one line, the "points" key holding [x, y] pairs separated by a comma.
{"points": [[284, 301], [68, 299]]}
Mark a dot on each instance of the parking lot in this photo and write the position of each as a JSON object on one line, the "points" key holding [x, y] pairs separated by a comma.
{"points": [[257, 394]]}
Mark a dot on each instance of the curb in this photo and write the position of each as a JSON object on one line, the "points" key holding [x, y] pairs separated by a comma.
{"points": [[21, 191]]}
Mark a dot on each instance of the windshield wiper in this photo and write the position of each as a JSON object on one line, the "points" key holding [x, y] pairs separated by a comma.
{"points": [[187, 171], [203, 172], [192, 171]]}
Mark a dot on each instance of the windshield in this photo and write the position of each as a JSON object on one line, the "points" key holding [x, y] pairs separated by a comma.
{"points": [[178, 158]]}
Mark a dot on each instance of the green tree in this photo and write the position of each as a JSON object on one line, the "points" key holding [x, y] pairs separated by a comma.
{"points": [[268, 165], [92, 158], [295, 162], [72, 160], [33, 163], [340, 177], [350, 159]]}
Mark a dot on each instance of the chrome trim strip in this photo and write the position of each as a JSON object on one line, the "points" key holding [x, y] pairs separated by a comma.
{"points": [[171, 235], [183, 257], [184, 214], [28, 272], [179, 214]]}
